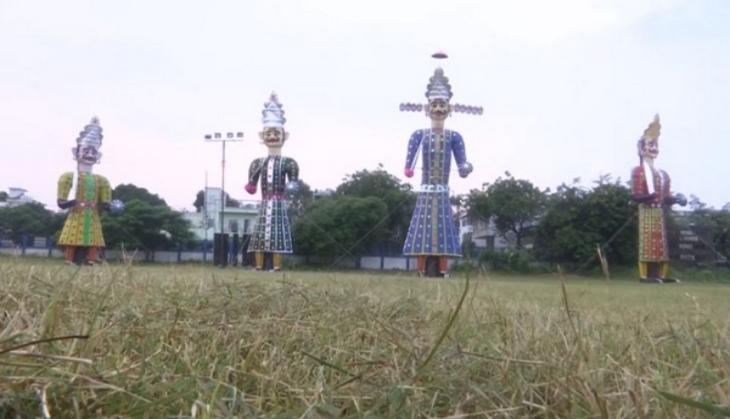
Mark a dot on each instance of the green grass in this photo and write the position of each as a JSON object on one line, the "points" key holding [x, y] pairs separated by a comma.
{"points": [[190, 341]]}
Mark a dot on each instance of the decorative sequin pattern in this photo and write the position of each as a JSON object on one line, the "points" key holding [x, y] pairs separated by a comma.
{"points": [[653, 244], [272, 232], [433, 230], [83, 226]]}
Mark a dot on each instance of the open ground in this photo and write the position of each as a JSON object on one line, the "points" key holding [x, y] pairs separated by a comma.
{"points": [[192, 341]]}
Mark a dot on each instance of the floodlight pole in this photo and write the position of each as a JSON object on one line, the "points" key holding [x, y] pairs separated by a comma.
{"points": [[217, 137]]}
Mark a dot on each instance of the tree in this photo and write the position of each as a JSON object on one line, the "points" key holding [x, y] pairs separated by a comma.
{"points": [[513, 204], [397, 197], [32, 219], [146, 227], [714, 225], [147, 222], [339, 226], [721, 233], [695, 203], [200, 201], [128, 192], [3, 196], [299, 201], [578, 219]]}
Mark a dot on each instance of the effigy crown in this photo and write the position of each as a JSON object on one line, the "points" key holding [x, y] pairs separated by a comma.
{"points": [[438, 86], [91, 134], [653, 130], [273, 113]]}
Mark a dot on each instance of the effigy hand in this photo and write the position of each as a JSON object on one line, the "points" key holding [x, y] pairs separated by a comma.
{"points": [[642, 199], [64, 204], [679, 199], [465, 169], [408, 172], [251, 188], [292, 187], [116, 206]]}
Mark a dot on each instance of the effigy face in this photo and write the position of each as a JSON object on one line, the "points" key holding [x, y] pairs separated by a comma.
{"points": [[650, 148], [273, 137], [88, 154], [438, 109]]}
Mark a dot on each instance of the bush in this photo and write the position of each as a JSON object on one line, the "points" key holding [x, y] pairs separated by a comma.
{"points": [[510, 261]]}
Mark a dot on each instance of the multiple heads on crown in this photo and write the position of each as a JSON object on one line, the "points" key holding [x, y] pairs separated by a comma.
{"points": [[648, 144], [88, 143], [439, 94], [273, 134]]}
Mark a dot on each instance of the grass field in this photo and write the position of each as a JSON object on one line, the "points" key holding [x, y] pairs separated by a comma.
{"points": [[190, 341]]}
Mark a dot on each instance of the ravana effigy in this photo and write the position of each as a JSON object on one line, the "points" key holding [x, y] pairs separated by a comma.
{"points": [[651, 189], [433, 234], [279, 175], [84, 194]]}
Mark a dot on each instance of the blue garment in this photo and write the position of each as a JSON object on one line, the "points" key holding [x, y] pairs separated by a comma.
{"points": [[433, 230]]}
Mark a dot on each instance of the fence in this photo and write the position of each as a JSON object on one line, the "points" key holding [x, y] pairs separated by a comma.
{"points": [[45, 247]]}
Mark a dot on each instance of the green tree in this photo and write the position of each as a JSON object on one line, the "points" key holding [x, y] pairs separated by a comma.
{"points": [[128, 192], [714, 225], [146, 224], [397, 197], [578, 219], [340, 225], [200, 201], [3, 196], [514, 204], [32, 219], [299, 201], [721, 233]]}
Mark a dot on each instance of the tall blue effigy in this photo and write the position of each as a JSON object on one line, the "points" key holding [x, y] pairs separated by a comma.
{"points": [[433, 235]]}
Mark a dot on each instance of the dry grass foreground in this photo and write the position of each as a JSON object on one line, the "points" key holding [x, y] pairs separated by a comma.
{"points": [[189, 341]]}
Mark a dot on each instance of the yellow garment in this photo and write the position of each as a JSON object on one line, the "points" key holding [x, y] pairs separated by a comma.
{"points": [[275, 260], [83, 225], [259, 260]]}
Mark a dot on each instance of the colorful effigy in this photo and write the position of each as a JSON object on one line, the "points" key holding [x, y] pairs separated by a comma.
{"points": [[84, 194], [651, 189], [279, 176], [433, 234]]}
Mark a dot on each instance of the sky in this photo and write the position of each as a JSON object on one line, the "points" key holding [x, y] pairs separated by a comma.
{"points": [[567, 87]]}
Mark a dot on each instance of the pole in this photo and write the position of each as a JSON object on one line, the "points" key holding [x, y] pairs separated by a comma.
{"points": [[205, 208], [223, 184]]}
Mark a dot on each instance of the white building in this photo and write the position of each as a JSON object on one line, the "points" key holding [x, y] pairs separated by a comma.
{"points": [[236, 220], [483, 234]]}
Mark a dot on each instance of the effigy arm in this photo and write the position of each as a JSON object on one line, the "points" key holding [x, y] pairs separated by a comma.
{"points": [[254, 171], [459, 150], [644, 198], [65, 182], [413, 148]]}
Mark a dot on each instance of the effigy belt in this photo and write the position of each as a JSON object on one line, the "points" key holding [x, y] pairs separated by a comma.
{"points": [[85, 204], [428, 188], [273, 195]]}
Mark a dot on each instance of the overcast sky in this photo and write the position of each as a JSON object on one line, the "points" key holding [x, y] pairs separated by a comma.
{"points": [[567, 87]]}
